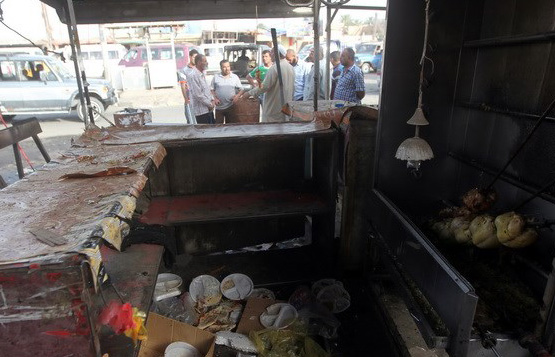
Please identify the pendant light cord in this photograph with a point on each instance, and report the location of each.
(424, 57)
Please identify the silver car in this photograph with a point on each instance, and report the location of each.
(33, 84)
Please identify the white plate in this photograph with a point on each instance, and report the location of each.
(207, 288)
(236, 286)
(181, 349)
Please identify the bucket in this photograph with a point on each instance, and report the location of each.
(245, 111)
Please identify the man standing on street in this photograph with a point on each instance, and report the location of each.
(337, 69)
(301, 71)
(203, 101)
(350, 85)
(226, 88)
(183, 83)
(257, 75)
(309, 83)
(271, 109)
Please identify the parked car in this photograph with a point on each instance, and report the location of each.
(214, 53)
(137, 56)
(33, 84)
(369, 56)
(243, 58)
(92, 58)
(305, 50)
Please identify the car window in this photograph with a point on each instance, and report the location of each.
(366, 48)
(112, 54)
(132, 54)
(8, 71)
(96, 55)
(165, 53)
(40, 71)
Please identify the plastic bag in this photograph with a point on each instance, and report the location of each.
(285, 343)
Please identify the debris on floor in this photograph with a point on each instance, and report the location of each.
(251, 322)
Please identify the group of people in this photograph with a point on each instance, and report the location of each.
(297, 76)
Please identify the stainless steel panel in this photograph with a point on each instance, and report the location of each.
(447, 291)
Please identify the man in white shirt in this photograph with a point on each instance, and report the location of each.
(309, 83)
(271, 108)
(301, 72)
(185, 90)
(203, 101)
(226, 88)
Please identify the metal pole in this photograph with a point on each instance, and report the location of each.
(103, 46)
(76, 53)
(316, 67)
(148, 57)
(278, 65)
(328, 43)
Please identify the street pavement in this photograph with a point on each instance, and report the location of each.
(166, 105)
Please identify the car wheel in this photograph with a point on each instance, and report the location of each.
(97, 106)
(366, 68)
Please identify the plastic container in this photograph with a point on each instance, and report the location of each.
(181, 349)
(236, 286)
(167, 285)
(278, 316)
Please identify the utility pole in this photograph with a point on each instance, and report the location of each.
(47, 27)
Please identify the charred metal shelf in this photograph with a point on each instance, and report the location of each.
(265, 268)
(509, 179)
(493, 109)
(215, 207)
(511, 40)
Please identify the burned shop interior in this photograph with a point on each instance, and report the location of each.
(434, 210)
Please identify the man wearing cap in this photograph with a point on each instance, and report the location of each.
(271, 108)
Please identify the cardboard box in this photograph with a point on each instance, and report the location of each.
(250, 320)
(162, 331)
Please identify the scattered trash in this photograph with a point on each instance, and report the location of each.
(167, 285)
(285, 343)
(236, 286)
(223, 317)
(236, 341)
(205, 290)
(332, 294)
(263, 293)
(278, 316)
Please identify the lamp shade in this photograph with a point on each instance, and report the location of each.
(418, 118)
(414, 149)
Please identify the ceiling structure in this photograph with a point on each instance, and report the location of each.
(110, 11)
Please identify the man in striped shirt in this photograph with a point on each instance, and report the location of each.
(350, 85)
(201, 96)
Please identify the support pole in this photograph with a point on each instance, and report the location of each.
(82, 84)
(316, 26)
(328, 44)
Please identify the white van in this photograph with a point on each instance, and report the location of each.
(214, 53)
(92, 58)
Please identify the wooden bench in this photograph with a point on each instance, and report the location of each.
(21, 130)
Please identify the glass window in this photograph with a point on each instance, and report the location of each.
(96, 55)
(165, 53)
(132, 54)
(8, 71)
(179, 53)
(112, 54)
(85, 55)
